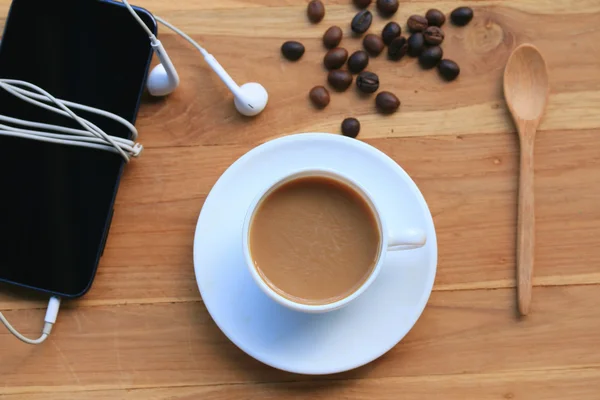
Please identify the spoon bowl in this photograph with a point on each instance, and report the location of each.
(526, 83)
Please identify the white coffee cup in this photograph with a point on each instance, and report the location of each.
(398, 238)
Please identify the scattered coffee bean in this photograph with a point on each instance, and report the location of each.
(339, 79)
(362, 3)
(416, 44)
(358, 61)
(430, 57)
(387, 102)
(417, 23)
(433, 35)
(319, 96)
(315, 11)
(335, 58)
(387, 7)
(398, 48)
(373, 44)
(461, 16)
(390, 32)
(361, 22)
(425, 31)
(435, 17)
(292, 50)
(448, 69)
(350, 127)
(367, 82)
(332, 37)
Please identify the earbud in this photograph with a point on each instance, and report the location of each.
(164, 78)
(251, 99)
(159, 83)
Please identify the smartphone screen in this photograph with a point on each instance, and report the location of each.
(56, 201)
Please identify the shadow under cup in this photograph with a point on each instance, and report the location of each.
(374, 249)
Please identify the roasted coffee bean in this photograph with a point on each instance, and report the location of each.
(350, 127)
(430, 57)
(367, 82)
(358, 61)
(387, 102)
(416, 44)
(448, 69)
(362, 3)
(390, 32)
(332, 37)
(319, 96)
(339, 79)
(398, 48)
(315, 11)
(292, 50)
(435, 17)
(433, 35)
(417, 23)
(373, 44)
(387, 7)
(461, 16)
(335, 58)
(361, 22)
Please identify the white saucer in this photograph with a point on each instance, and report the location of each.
(312, 343)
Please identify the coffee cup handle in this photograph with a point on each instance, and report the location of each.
(406, 239)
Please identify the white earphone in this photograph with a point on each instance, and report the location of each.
(250, 98)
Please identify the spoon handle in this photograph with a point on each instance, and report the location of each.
(526, 225)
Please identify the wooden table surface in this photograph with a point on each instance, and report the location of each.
(143, 331)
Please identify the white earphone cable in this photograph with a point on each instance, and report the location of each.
(6, 84)
(25, 133)
(129, 125)
(168, 25)
(138, 19)
(91, 136)
(183, 35)
(49, 320)
(57, 128)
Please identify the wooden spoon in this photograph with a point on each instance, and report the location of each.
(526, 92)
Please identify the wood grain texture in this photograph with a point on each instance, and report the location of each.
(460, 332)
(526, 385)
(142, 332)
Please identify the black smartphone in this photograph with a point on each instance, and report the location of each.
(56, 201)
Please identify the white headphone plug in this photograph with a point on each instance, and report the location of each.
(137, 150)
